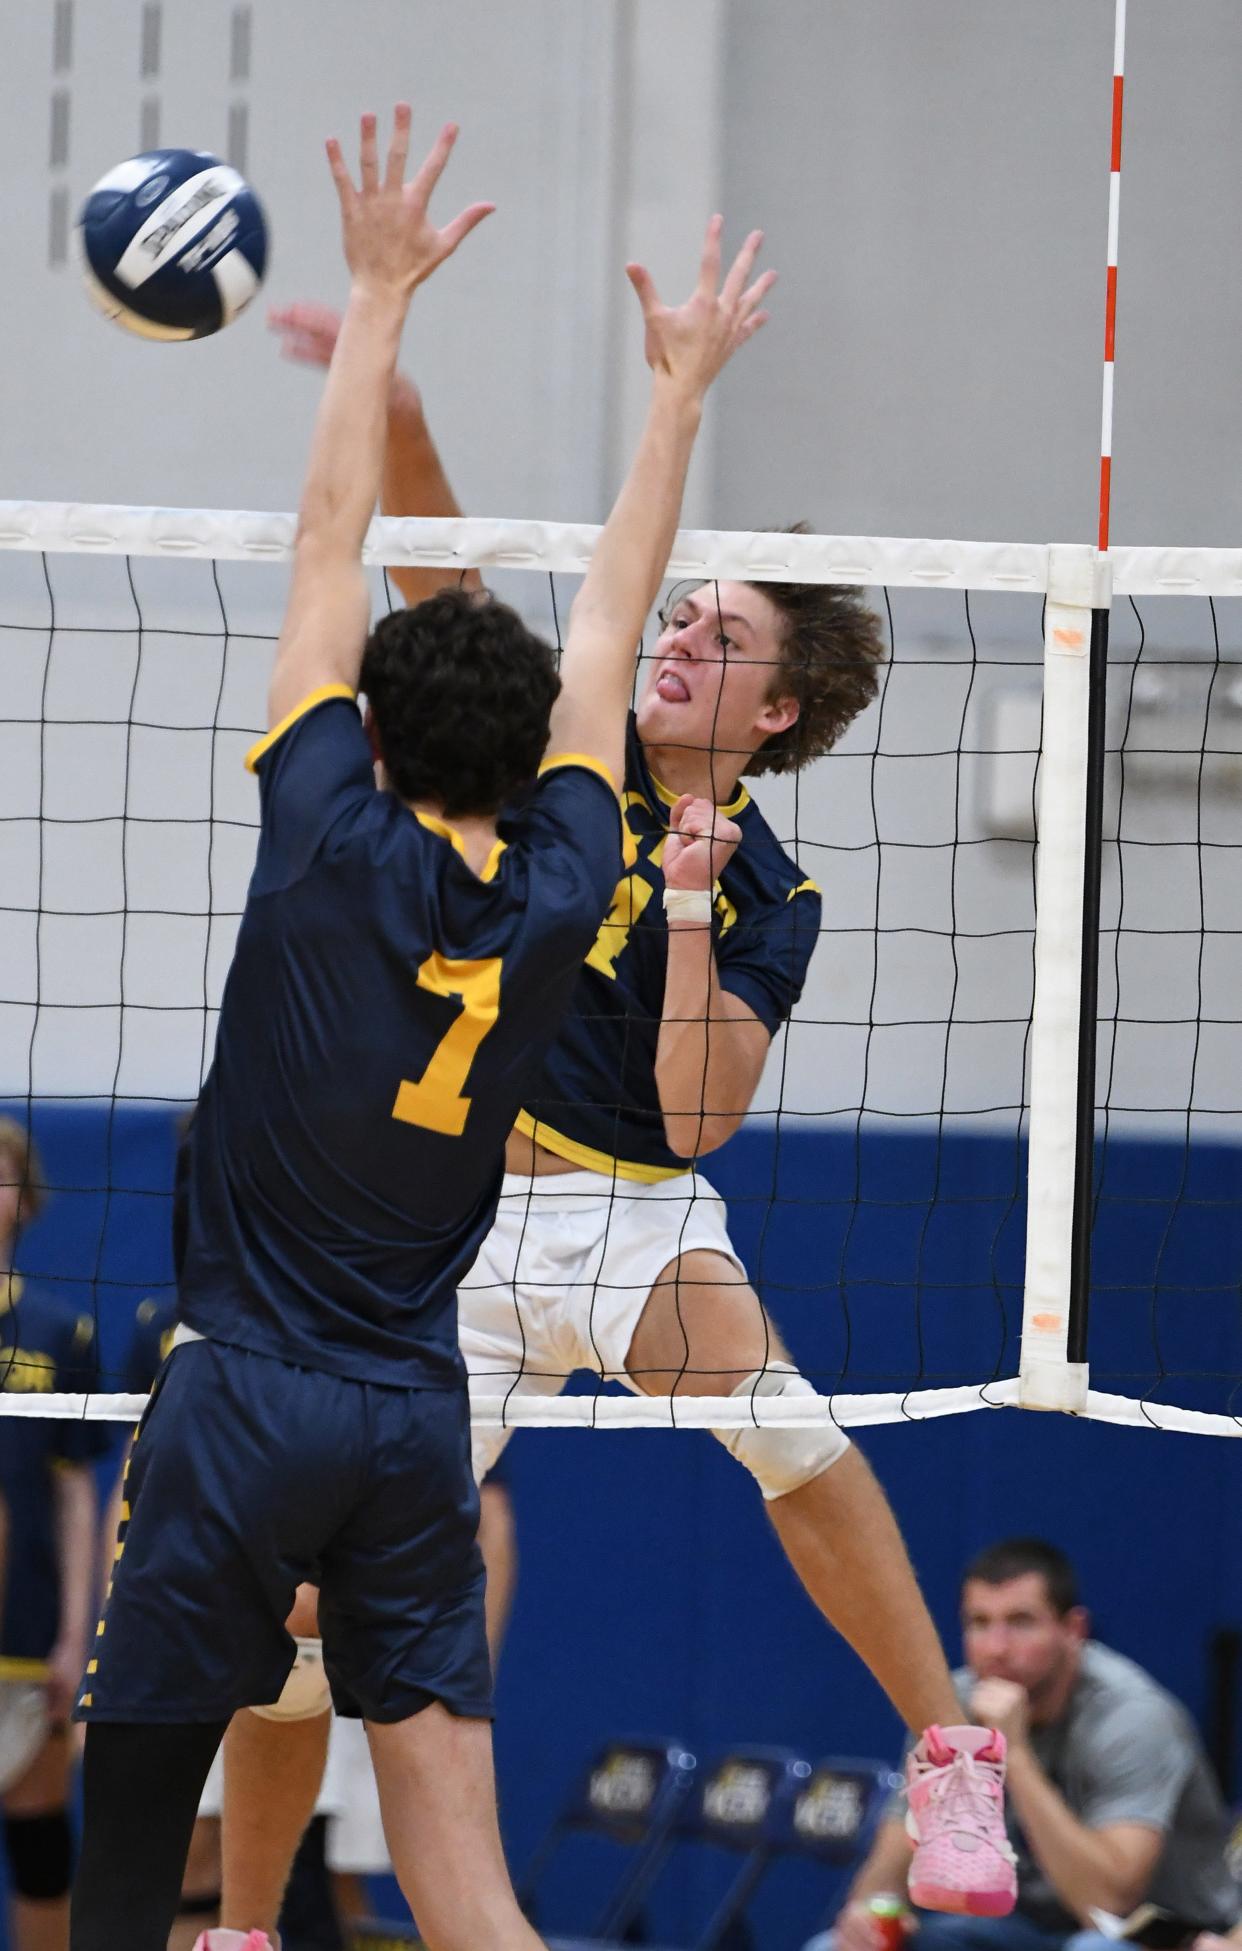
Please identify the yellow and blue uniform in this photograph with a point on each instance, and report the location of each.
(46, 1345)
(385, 1014)
(596, 1101)
(151, 1341)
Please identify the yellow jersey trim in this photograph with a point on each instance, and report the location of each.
(629, 846)
(11, 1286)
(589, 1159)
(803, 887)
(308, 703)
(13, 1669)
(434, 824)
(587, 763)
(742, 798)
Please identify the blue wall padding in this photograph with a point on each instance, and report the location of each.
(653, 1595)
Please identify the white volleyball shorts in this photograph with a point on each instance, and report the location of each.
(564, 1275)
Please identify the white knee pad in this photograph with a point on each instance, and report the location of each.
(306, 1692)
(781, 1460)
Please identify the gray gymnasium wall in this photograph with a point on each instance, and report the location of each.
(932, 178)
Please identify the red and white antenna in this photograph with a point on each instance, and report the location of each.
(1110, 301)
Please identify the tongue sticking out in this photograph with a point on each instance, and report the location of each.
(672, 688)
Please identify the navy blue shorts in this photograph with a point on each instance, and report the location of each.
(249, 1476)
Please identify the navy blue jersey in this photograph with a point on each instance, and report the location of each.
(384, 1017)
(48, 1346)
(154, 1322)
(597, 1102)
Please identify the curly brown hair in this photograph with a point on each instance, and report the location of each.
(831, 648)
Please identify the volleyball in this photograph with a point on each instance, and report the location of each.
(174, 244)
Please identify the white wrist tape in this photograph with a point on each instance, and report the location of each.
(689, 904)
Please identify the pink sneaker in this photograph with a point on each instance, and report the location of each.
(955, 1786)
(222, 1940)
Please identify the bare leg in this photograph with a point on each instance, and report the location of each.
(349, 1891)
(42, 1924)
(498, 1543)
(438, 1795)
(272, 1773)
(703, 1331)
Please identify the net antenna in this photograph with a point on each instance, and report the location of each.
(1056, 1306)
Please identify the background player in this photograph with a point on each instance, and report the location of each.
(315, 1422)
(47, 1484)
(607, 1253)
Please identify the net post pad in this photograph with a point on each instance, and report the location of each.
(1052, 1385)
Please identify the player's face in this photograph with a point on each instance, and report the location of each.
(1013, 1632)
(712, 673)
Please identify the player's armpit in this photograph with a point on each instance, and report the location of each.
(325, 628)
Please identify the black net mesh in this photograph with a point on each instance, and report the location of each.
(877, 1193)
(1166, 1320)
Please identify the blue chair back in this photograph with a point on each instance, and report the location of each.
(632, 1792)
(741, 1802)
(834, 1814)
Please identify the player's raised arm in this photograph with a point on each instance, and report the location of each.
(415, 481)
(391, 246)
(686, 347)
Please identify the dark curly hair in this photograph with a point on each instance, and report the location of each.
(832, 646)
(460, 694)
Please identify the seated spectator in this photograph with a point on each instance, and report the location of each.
(1111, 1800)
(47, 1485)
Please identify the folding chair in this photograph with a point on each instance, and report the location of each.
(835, 1813)
(632, 1793)
(742, 1803)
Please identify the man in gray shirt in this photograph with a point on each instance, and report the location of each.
(1111, 1801)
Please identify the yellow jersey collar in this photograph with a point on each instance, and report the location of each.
(735, 805)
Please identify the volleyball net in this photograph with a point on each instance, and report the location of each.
(943, 1201)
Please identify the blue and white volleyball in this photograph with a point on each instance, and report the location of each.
(175, 244)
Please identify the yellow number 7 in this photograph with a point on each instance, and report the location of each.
(438, 1101)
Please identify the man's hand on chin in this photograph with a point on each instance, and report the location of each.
(1003, 1704)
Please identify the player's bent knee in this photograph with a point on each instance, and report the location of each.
(40, 1854)
(306, 1692)
(782, 1460)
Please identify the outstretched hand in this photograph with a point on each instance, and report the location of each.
(691, 343)
(391, 244)
(307, 332)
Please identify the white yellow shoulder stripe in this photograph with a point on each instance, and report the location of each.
(308, 703)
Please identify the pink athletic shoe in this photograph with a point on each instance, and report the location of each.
(222, 1940)
(955, 1786)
